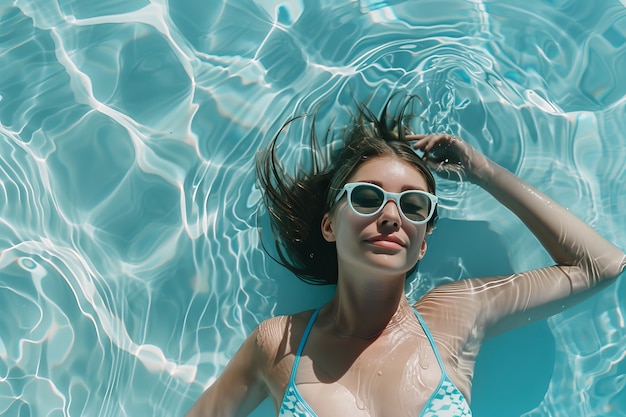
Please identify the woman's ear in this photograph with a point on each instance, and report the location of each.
(423, 249)
(327, 228)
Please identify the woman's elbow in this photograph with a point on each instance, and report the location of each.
(605, 268)
(614, 267)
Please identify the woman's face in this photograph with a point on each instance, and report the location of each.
(384, 244)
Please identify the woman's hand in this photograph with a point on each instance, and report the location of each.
(450, 156)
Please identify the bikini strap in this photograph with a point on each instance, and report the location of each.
(431, 340)
(305, 335)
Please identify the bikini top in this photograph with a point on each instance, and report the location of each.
(445, 401)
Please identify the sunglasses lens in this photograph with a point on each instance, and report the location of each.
(366, 199)
(415, 206)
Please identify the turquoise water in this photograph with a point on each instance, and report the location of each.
(131, 267)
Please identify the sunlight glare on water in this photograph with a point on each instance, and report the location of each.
(131, 264)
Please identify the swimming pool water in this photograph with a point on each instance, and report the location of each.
(131, 266)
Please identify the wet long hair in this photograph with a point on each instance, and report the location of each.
(297, 203)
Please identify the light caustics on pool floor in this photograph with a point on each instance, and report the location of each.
(130, 260)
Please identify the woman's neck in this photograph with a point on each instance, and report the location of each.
(365, 308)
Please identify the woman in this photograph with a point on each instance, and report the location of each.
(362, 224)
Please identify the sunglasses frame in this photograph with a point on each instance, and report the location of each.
(349, 187)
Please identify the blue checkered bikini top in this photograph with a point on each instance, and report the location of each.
(445, 401)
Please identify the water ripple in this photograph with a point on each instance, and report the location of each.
(131, 259)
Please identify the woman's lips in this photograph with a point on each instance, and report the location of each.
(388, 241)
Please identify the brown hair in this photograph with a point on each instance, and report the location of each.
(297, 204)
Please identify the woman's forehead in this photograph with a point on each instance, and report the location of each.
(389, 171)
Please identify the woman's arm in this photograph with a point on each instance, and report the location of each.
(583, 257)
(240, 388)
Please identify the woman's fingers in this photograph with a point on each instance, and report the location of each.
(424, 142)
(447, 154)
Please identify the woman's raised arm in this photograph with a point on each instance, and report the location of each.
(583, 257)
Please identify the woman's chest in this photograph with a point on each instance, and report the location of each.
(383, 379)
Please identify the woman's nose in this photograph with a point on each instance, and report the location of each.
(390, 215)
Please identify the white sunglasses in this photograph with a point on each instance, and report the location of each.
(367, 200)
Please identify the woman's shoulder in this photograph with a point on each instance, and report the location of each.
(277, 332)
